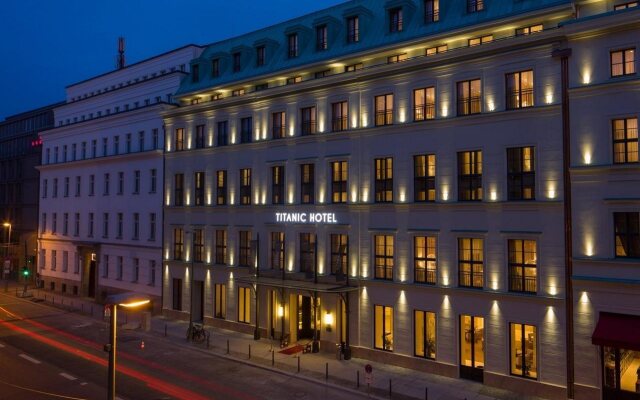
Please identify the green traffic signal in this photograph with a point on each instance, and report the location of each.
(25, 272)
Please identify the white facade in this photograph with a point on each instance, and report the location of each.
(101, 180)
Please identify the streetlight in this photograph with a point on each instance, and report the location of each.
(130, 301)
(6, 249)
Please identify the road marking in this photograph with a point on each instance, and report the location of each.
(69, 377)
(1, 346)
(83, 383)
(26, 357)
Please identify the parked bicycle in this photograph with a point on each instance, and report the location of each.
(197, 333)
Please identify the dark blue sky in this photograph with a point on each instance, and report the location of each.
(47, 45)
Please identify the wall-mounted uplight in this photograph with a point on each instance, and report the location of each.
(328, 321)
(280, 311)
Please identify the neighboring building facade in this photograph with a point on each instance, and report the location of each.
(20, 150)
(101, 180)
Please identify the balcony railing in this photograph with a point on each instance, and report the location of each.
(308, 127)
(520, 99)
(339, 124)
(426, 276)
(469, 105)
(384, 272)
(424, 111)
(471, 279)
(384, 117)
(519, 283)
(278, 131)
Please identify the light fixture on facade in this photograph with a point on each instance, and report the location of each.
(328, 321)
(587, 157)
(280, 311)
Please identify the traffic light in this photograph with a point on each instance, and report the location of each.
(25, 272)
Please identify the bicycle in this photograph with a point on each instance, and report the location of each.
(197, 333)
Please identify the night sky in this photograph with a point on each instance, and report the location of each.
(47, 45)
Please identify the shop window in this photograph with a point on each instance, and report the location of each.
(524, 351)
(244, 305)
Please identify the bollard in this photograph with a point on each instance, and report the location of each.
(358, 379)
(326, 372)
(165, 330)
(426, 393)
(227, 346)
(249, 352)
(298, 363)
(273, 358)
(390, 393)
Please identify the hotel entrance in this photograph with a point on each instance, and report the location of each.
(472, 348)
(308, 318)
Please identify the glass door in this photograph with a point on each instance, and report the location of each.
(472, 347)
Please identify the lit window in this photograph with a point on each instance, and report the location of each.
(244, 305)
(524, 351)
(521, 173)
(424, 178)
(383, 180)
(383, 255)
(522, 266)
(627, 234)
(624, 6)
(353, 67)
(246, 130)
(198, 245)
(383, 330)
(278, 125)
(397, 58)
(179, 139)
(221, 247)
(244, 248)
(475, 5)
(519, 90)
(339, 174)
(480, 40)
(472, 346)
(470, 175)
(625, 140)
(339, 116)
(528, 30)
(436, 50)
(471, 263)
(431, 11)
(353, 29)
(623, 62)
(277, 184)
(469, 97)
(220, 294)
(424, 334)
(221, 187)
(199, 179)
(424, 104)
(245, 186)
(294, 79)
(308, 125)
(384, 109)
(178, 243)
(307, 183)
(424, 259)
(395, 20)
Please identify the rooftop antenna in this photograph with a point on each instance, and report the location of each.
(120, 59)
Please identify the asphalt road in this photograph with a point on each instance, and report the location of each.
(47, 353)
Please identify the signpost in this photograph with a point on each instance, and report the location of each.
(368, 376)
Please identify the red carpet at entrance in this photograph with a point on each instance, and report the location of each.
(292, 350)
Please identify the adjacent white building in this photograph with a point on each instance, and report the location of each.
(101, 180)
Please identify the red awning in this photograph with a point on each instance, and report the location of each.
(617, 330)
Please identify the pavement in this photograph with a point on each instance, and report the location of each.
(319, 368)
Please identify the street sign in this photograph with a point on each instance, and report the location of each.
(107, 311)
(368, 378)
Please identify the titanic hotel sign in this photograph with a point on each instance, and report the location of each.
(306, 218)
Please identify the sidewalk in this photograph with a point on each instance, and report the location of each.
(402, 383)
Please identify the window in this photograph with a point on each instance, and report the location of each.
(625, 141)
(472, 346)
(384, 109)
(424, 178)
(353, 29)
(45, 185)
(480, 40)
(277, 250)
(116, 145)
(198, 245)
(136, 182)
(471, 263)
(128, 143)
(397, 58)
(339, 116)
(519, 90)
(178, 243)
(73, 151)
(246, 130)
(384, 180)
(221, 187)
(178, 190)
(353, 67)
(156, 138)
(136, 270)
(244, 305)
(431, 11)
(76, 225)
(469, 97)
(153, 177)
(152, 226)
(292, 40)
(307, 183)
(624, 6)
(105, 266)
(339, 254)
(529, 30)
(278, 125)
(152, 272)
(339, 175)
(321, 74)
(199, 136)
(321, 38)
(104, 146)
(308, 120)
(475, 5)
(383, 257)
(177, 294)
(245, 186)
(223, 133)
(260, 56)
(623, 62)
(307, 252)
(424, 323)
(179, 139)
(424, 259)
(92, 184)
(627, 234)
(66, 186)
(383, 328)
(220, 301)
(522, 266)
(84, 150)
(521, 173)
(195, 73)
(54, 260)
(294, 79)
(395, 20)
(65, 224)
(470, 175)
(106, 184)
(119, 226)
(430, 51)
(136, 226)
(221, 247)
(141, 141)
(199, 179)
(424, 104)
(277, 184)
(244, 249)
(120, 183)
(105, 225)
(44, 223)
(90, 227)
(523, 351)
(78, 185)
(237, 62)
(215, 68)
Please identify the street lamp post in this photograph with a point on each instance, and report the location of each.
(127, 300)
(6, 249)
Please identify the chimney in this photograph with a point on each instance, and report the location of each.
(120, 60)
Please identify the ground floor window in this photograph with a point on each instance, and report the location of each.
(424, 334)
(177, 294)
(472, 356)
(383, 331)
(523, 351)
(621, 372)
(220, 300)
(244, 305)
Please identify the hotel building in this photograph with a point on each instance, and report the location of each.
(394, 175)
(101, 180)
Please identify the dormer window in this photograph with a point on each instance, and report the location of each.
(397, 58)
(260, 56)
(475, 5)
(395, 20)
(294, 80)
(321, 38)
(431, 51)
(353, 29)
(431, 11)
(293, 45)
(236, 62)
(215, 68)
(195, 73)
(529, 30)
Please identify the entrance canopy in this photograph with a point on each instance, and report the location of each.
(617, 330)
(301, 285)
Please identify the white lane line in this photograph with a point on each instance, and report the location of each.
(1, 346)
(69, 377)
(26, 357)
(83, 383)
